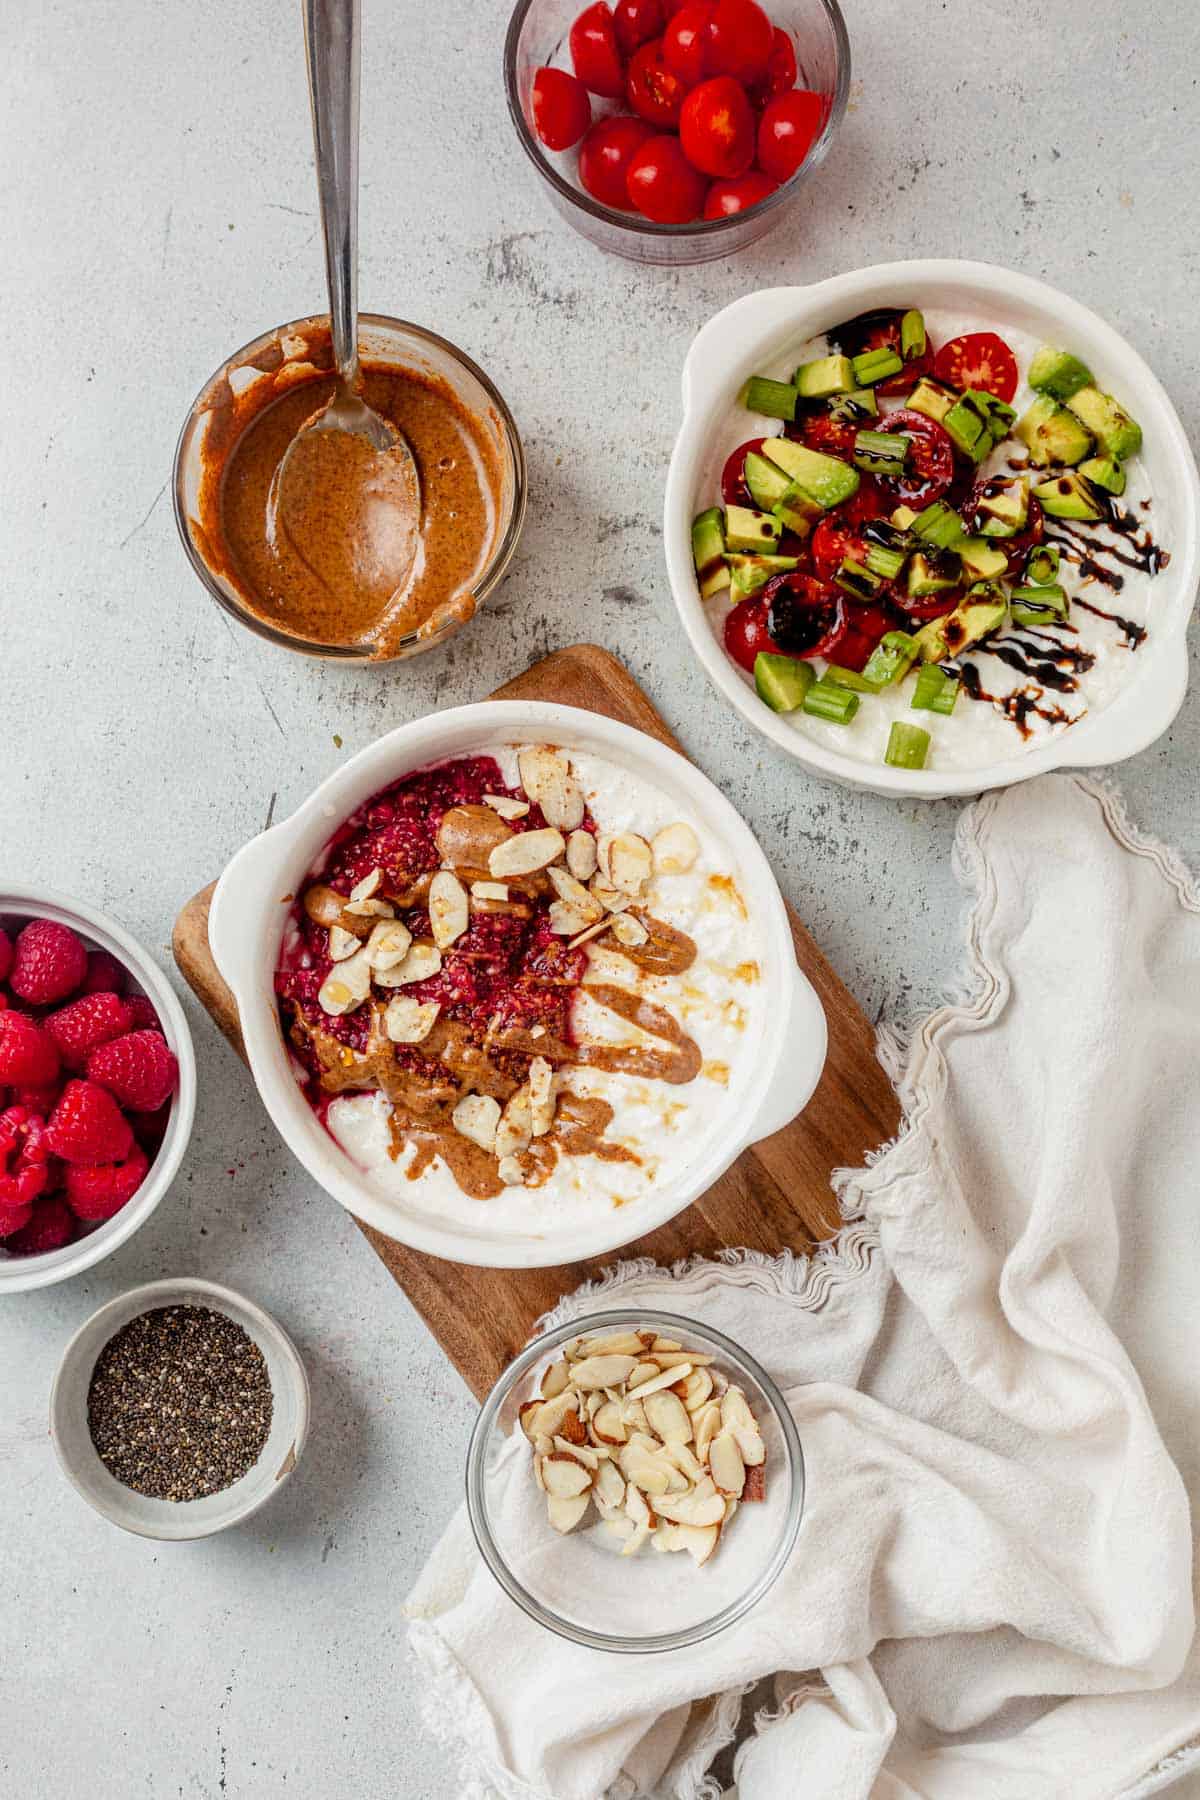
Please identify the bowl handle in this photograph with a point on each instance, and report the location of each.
(801, 1060)
(1145, 713)
(237, 900)
(705, 368)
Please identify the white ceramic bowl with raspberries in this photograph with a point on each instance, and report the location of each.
(97, 1087)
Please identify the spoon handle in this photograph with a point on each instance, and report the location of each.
(331, 38)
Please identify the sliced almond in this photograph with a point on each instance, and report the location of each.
(629, 931)
(697, 1389)
(610, 898)
(565, 921)
(346, 986)
(449, 909)
(558, 1375)
(669, 1537)
(662, 1343)
(515, 1129)
(633, 1417)
(592, 931)
(370, 909)
(526, 1413)
(563, 1476)
(652, 1478)
(668, 1417)
(368, 887)
(635, 1506)
(409, 1021)
(581, 1452)
(725, 1462)
(547, 779)
(505, 806)
(645, 1371)
(572, 1427)
(620, 1528)
(702, 1505)
(699, 1541)
(476, 1117)
(341, 944)
(609, 1485)
(565, 1514)
(601, 1371)
(541, 1096)
(706, 1425)
(749, 1442)
(626, 862)
(388, 945)
(607, 1423)
(525, 853)
(735, 1409)
(489, 890)
(675, 848)
(550, 1415)
(581, 855)
(510, 1171)
(575, 894)
(422, 960)
(684, 1461)
(613, 1343)
(664, 1378)
(641, 1535)
(672, 1359)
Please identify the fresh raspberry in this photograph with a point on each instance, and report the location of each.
(24, 1158)
(6, 954)
(143, 1014)
(99, 1191)
(52, 1226)
(87, 1125)
(39, 1097)
(48, 964)
(13, 1219)
(79, 1026)
(105, 975)
(27, 1053)
(138, 1068)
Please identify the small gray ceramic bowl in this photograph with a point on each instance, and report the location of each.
(168, 1518)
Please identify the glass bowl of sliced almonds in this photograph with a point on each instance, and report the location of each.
(635, 1481)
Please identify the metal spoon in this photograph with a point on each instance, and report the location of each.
(331, 39)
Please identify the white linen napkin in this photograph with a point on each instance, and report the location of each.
(976, 1365)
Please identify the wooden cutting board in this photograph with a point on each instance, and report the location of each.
(775, 1196)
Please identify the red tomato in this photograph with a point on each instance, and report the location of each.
(728, 197)
(655, 92)
(801, 612)
(636, 22)
(786, 131)
(716, 128)
(832, 542)
(781, 66)
(605, 155)
(858, 631)
(595, 53)
(822, 432)
(934, 606)
(685, 41)
(867, 502)
(734, 491)
(562, 111)
(881, 331)
(746, 633)
(979, 359)
(741, 38)
(930, 467)
(662, 183)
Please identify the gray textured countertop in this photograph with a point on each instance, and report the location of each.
(157, 209)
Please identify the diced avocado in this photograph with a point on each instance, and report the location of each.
(967, 426)
(1058, 373)
(746, 529)
(905, 517)
(708, 551)
(1005, 504)
(981, 561)
(827, 375)
(983, 610)
(773, 399)
(766, 481)
(927, 576)
(875, 365)
(859, 403)
(999, 414)
(858, 581)
(1104, 473)
(932, 399)
(1039, 605)
(891, 659)
(939, 525)
(750, 573)
(796, 511)
(1052, 434)
(912, 335)
(1117, 434)
(1069, 496)
(782, 681)
(822, 478)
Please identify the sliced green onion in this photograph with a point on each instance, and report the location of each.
(1038, 605)
(875, 365)
(939, 525)
(774, 399)
(907, 746)
(850, 678)
(885, 562)
(892, 658)
(882, 452)
(912, 335)
(1041, 565)
(935, 690)
(825, 700)
(857, 580)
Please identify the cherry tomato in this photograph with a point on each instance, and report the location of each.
(662, 183)
(734, 491)
(605, 155)
(820, 431)
(728, 197)
(595, 53)
(716, 128)
(746, 632)
(855, 633)
(801, 612)
(741, 38)
(930, 467)
(934, 607)
(1015, 548)
(685, 41)
(781, 66)
(832, 542)
(979, 359)
(655, 92)
(786, 131)
(867, 502)
(636, 22)
(880, 330)
(562, 111)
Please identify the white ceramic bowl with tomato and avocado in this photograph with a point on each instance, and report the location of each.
(933, 527)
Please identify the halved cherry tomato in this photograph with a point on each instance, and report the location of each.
(781, 66)
(832, 542)
(1015, 548)
(636, 22)
(734, 491)
(786, 131)
(663, 185)
(930, 467)
(655, 92)
(801, 612)
(562, 111)
(685, 41)
(867, 502)
(934, 606)
(716, 128)
(880, 330)
(595, 53)
(978, 359)
(746, 632)
(728, 197)
(605, 155)
(820, 431)
(741, 38)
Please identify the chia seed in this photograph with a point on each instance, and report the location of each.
(180, 1403)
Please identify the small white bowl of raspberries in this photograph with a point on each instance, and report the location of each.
(97, 1087)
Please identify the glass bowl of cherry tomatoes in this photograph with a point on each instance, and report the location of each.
(676, 131)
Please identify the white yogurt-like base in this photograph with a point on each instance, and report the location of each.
(719, 1002)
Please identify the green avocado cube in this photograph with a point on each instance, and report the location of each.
(750, 573)
(927, 576)
(891, 659)
(1069, 496)
(766, 481)
(932, 399)
(825, 479)
(1058, 373)
(827, 375)
(782, 681)
(981, 561)
(1104, 473)
(1052, 434)
(1117, 434)
(746, 529)
(1005, 505)
(708, 552)
(967, 426)
(982, 611)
